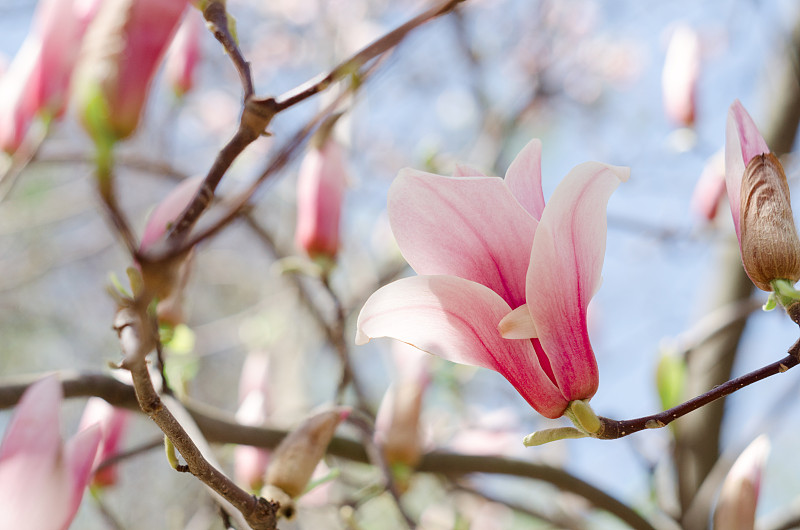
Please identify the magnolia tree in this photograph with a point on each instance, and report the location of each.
(200, 246)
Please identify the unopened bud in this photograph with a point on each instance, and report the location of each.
(770, 246)
(736, 508)
(397, 424)
(297, 456)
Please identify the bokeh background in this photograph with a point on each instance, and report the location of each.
(584, 76)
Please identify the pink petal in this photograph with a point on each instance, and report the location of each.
(742, 143)
(80, 453)
(466, 171)
(35, 427)
(169, 209)
(457, 319)
(518, 324)
(473, 228)
(524, 178)
(566, 262)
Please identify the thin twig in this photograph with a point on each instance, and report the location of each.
(613, 429)
(217, 18)
(137, 334)
(219, 427)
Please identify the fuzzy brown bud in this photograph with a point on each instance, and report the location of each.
(295, 459)
(770, 246)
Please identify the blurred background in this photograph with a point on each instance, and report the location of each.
(473, 87)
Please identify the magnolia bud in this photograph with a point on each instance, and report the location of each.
(295, 459)
(397, 424)
(120, 56)
(770, 246)
(736, 508)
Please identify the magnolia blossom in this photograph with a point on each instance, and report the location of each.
(320, 187)
(184, 53)
(489, 250)
(738, 499)
(38, 80)
(120, 55)
(680, 75)
(397, 424)
(759, 197)
(113, 421)
(250, 463)
(710, 188)
(168, 283)
(42, 480)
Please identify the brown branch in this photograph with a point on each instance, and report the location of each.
(613, 429)
(217, 18)
(137, 333)
(352, 65)
(218, 428)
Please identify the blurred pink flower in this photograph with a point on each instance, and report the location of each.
(760, 205)
(397, 425)
(738, 498)
(485, 246)
(121, 53)
(320, 188)
(184, 53)
(113, 421)
(38, 80)
(42, 480)
(250, 463)
(168, 210)
(680, 75)
(710, 188)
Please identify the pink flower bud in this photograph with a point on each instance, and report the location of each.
(37, 83)
(680, 75)
(250, 463)
(184, 54)
(320, 187)
(710, 188)
(759, 197)
(42, 480)
(121, 52)
(164, 280)
(295, 459)
(736, 507)
(113, 421)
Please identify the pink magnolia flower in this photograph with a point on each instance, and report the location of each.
(760, 205)
(738, 499)
(485, 246)
(680, 75)
(184, 53)
(42, 480)
(710, 188)
(123, 48)
(38, 79)
(397, 425)
(113, 421)
(250, 463)
(168, 283)
(320, 188)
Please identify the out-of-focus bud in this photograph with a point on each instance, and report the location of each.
(250, 463)
(113, 422)
(320, 188)
(294, 460)
(397, 426)
(42, 479)
(184, 54)
(119, 58)
(680, 75)
(760, 204)
(37, 82)
(162, 280)
(710, 188)
(736, 507)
